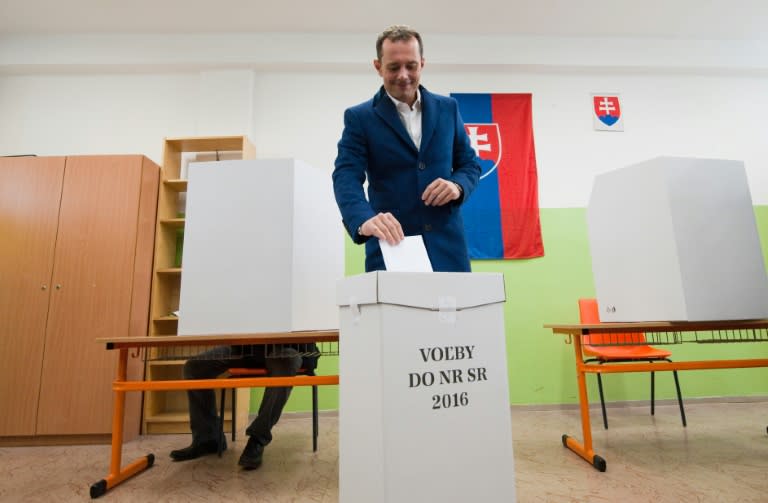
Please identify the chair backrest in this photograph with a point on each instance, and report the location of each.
(589, 314)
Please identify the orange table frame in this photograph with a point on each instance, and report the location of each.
(121, 385)
(656, 333)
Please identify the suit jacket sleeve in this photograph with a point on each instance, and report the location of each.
(349, 175)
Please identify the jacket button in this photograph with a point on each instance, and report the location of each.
(427, 227)
(422, 165)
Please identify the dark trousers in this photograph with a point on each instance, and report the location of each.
(203, 416)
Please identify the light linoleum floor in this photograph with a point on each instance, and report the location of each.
(722, 456)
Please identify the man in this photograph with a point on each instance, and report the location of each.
(280, 361)
(412, 147)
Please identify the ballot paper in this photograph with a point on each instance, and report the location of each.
(409, 255)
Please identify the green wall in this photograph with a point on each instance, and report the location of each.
(545, 290)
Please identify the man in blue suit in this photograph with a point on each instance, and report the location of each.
(420, 165)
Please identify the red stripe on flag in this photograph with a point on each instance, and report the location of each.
(518, 180)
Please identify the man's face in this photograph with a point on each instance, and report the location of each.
(400, 67)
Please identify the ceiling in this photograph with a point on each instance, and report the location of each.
(675, 19)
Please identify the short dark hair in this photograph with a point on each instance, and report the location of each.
(396, 33)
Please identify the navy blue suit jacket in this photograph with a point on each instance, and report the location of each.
(376, 145)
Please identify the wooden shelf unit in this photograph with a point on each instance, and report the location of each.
(175, 223)
(166, 411)
(176, 185)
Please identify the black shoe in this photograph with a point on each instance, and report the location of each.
(250, 459)
(197, 450)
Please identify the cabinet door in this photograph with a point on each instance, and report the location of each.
(91, 297)
(30, 192)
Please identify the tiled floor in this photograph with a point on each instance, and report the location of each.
(722, 456)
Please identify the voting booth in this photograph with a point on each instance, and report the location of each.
(675, 239)
(262, 248)
(424, 401)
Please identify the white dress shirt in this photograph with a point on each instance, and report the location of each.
(410, 117)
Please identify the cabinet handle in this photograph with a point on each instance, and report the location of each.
(44, 287)
(58, 287)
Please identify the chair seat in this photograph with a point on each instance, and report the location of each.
(246, 372)
(256, 372)
(642, 352)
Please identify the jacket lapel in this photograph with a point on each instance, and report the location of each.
(385, 109)
(429, 116)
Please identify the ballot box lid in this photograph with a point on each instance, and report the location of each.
(425, 290)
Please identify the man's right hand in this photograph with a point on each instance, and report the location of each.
(383, 226)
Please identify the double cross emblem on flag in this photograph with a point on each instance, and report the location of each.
(486, 141)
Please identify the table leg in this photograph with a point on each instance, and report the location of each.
(116, 475)
(584, 450)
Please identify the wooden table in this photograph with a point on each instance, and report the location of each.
(190, 344)
(656, 333)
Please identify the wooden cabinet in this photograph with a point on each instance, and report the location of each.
(30, 192)
(167, 411)
(75, 264)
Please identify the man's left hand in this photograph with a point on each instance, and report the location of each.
(440, 192)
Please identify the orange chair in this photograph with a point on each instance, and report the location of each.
(633, 349)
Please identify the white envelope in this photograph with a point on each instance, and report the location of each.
(409, 255)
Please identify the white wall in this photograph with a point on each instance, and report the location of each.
(692, 102)
(664, 114)
(94, 114)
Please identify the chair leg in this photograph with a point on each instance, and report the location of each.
(653, 393)
(679, 399)
(602, 400)
(220, 439)
(234, 414)
(315, 419)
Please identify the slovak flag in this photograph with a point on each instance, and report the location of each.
(501, 218)
(606, 114)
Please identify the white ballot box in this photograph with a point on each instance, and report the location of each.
(675, 239)
(263, 248)
(424, 397)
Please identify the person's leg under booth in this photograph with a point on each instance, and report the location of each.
(282, 362)
(203, 415)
